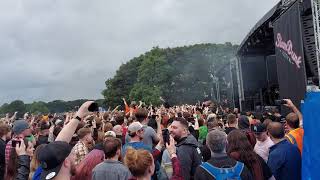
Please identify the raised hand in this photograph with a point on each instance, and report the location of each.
(83, 110)
(21, 149)
(171, 147)
(289, 103)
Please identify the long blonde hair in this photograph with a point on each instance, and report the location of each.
(34, 164)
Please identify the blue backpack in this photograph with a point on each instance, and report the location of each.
(224, 173)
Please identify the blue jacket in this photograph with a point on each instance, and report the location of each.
(37, 173)
(285, 161)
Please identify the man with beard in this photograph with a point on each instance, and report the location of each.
(111, 168)
(188, 151)
(56, 158)
(81, 149)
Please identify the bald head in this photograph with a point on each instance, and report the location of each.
(117, 129)
(276, 130)
(292, 120)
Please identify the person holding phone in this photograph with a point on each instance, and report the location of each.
(19, 162)
(5, 134)
(21, 131)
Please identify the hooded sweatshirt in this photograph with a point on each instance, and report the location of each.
(189, 154)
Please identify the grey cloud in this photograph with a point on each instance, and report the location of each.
(57, 49)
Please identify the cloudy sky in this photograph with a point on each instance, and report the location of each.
(66, 49)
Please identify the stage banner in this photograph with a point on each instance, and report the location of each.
(289, 55)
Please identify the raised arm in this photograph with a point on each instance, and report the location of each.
(125, 102)
(115, 109)
(196, 123)
(13, 117)
(294, 109)
(69, 129)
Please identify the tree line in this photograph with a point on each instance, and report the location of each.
(40, 107)
(177, 75)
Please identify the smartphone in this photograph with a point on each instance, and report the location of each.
(94, 107)
(166, 136)
(15, 142)
(280, 102)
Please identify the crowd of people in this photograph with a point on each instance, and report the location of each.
(203, 141)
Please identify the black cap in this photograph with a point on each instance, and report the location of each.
(51, 157)
(44, 126)
(243, 122)
(258, 128)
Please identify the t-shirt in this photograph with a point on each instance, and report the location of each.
(135, 145)
(149, 136)
(203, 131)
(262, 148)
(128, 108)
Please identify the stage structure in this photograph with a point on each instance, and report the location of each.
(224, 84)
(279, 57)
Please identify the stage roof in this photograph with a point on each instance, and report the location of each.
(260, 36)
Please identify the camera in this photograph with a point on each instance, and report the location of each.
(94, 107)
(280, 102)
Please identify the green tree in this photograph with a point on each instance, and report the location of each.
(14, 106)
(39, 107)
(147, 94)
(121, 84)
(180, 75)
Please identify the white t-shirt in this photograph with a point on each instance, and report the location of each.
(262, 148)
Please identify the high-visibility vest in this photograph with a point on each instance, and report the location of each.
(296, 137)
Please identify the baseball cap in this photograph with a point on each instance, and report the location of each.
(51, 157)
(258, 128)
(58, 121)
(134, 127)
(243, 122)
(110, 134)
(19, 126)
(44, 125)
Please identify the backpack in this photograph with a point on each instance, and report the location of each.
(224, 173)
